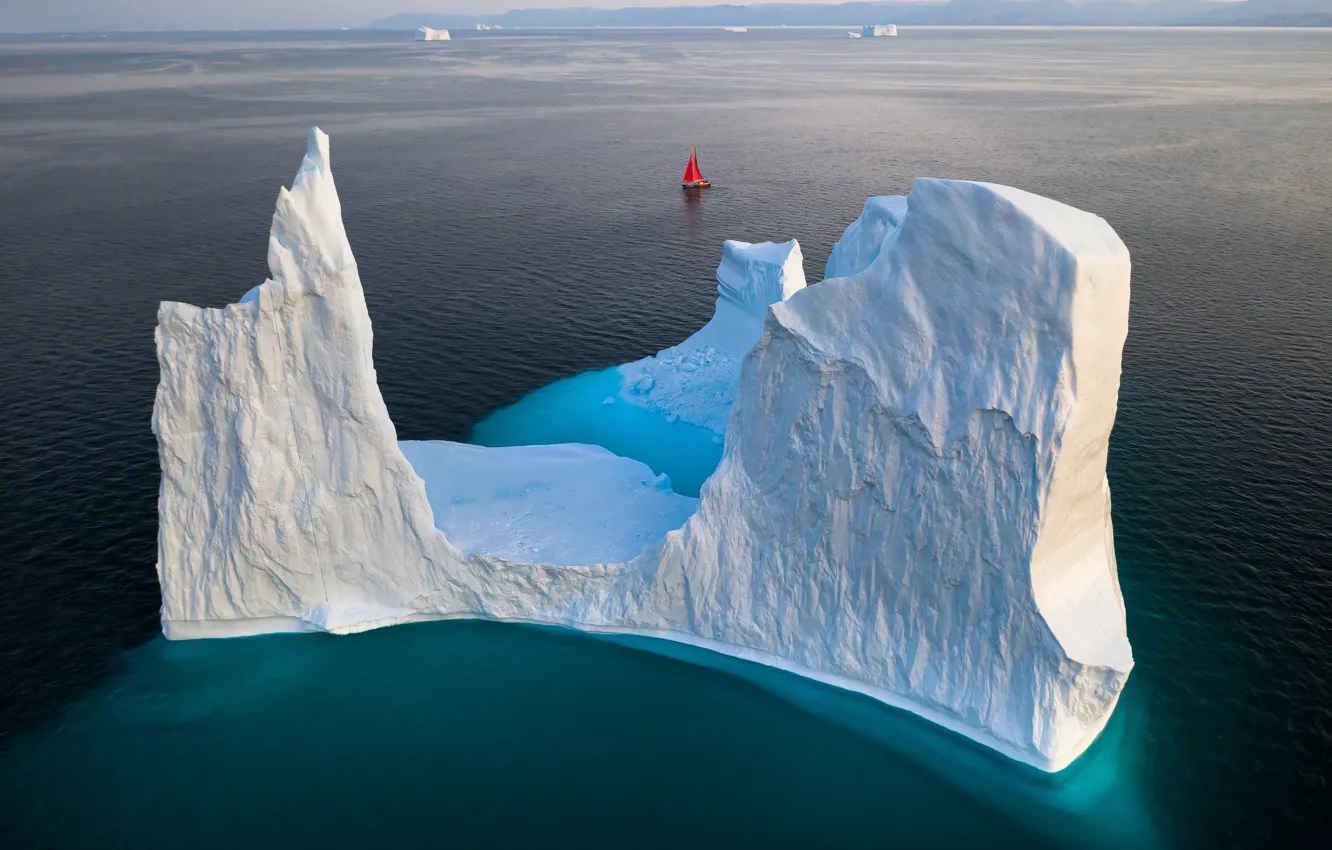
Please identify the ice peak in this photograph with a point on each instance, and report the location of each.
(307, 226)
(316, 151)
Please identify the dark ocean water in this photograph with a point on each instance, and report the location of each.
(513, 205)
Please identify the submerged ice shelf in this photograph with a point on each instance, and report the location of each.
(910, 502)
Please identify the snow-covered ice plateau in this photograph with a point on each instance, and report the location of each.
(911, 502)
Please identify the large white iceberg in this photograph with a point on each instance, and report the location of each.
(911, 504)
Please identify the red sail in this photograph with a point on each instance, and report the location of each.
(691, 174)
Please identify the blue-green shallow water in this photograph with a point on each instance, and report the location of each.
(575, 410)
(481, 734)
(138, 169)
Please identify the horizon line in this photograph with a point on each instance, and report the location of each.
(1181, 26)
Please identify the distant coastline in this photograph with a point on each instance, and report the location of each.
(121, 35)
(984, 13)
(1266, 14)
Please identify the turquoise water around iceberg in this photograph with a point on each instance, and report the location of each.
(392, 737)
(587, 409)
(482, 734)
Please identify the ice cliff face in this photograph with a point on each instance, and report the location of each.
(284, 494)
(912, 501)
(933, 430)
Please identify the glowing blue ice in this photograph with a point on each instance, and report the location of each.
(587, 408)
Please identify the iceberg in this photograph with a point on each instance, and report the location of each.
(427, 34)
(878, 30)
(911, 502)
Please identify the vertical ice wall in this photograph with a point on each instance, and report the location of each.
(283, 490)
(913, 493)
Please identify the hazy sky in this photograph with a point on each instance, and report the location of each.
(83, 15)
(59, 15)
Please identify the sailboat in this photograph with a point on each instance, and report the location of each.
(693, 178)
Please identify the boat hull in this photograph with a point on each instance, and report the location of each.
(695, 184)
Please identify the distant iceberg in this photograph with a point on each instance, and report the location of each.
(851, 35)
(911, 502)
(878, 30)
(427, 34)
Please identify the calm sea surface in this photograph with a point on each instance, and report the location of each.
(514, 207)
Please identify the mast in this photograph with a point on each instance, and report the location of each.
(692, 174)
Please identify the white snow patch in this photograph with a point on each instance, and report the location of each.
(564, 505)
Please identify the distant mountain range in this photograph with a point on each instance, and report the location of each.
(1295, 13)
